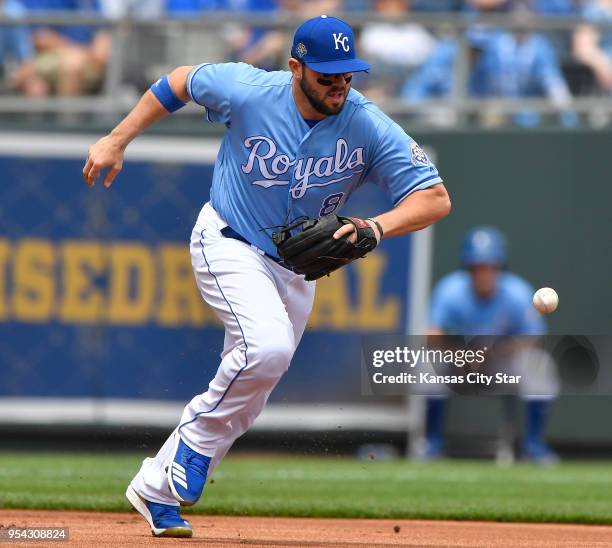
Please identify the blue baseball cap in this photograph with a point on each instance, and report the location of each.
(327, 45)
(484, 245)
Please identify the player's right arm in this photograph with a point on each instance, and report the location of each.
(107, 153)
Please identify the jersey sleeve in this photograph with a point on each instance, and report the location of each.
(400, 166)
(212, 86)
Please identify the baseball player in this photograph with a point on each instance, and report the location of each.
(485, 299)
(297, 144)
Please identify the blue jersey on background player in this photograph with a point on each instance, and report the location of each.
(483, 298)
(456, 308)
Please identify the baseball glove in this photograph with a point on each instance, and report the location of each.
(314, 252)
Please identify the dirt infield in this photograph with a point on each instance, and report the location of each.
(111, 530)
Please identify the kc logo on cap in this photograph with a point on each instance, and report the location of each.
(327, 45)
(341, 41)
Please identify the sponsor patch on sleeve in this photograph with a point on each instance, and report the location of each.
(419, 158)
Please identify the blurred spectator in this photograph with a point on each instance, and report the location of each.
(393, 49)
(269, 49)
(132, 9)
(70, 58)
(257, 46)
(434, 79)
(502, 64)
(519, 65)
(540, 7)
(260, 47)
(17, 53)
(560, 39)
(475, 8)
(592, 46)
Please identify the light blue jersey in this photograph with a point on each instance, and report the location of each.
(456, 309)
(272, 167)
(16, 41)
(506, 67)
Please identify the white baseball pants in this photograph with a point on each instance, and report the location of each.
(264, 308)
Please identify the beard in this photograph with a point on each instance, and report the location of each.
(319, 104)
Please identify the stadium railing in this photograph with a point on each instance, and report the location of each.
(142, 50)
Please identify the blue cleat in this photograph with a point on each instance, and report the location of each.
(434, 449)
(538, 452)
(164, 519)
(187, 473)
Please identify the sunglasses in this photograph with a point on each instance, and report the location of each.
(323, 81)
(327, 82)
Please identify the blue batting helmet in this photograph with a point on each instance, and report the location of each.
(484, 245)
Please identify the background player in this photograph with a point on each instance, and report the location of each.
(298, 143)
(485, 299)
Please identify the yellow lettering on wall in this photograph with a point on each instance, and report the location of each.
(374, 313)
(158, 285)
(132, 284)
(82, 302)
(332, 305)
(181, 303)
(4, 254)
(34, 291)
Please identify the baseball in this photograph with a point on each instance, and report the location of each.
(546, 300)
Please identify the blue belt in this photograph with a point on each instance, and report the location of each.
(229, 232)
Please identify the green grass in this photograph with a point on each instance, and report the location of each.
(329, 487)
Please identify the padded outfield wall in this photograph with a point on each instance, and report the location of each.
(97, 300)
(100, 318)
